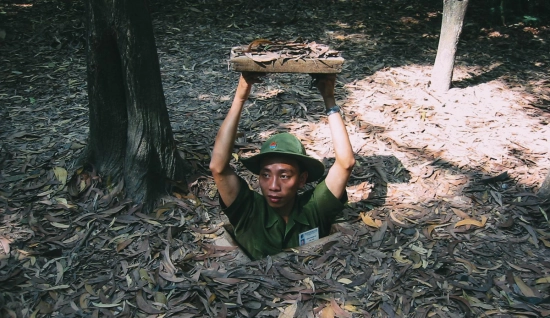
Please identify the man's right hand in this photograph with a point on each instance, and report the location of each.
(226, 179)
(253, 77)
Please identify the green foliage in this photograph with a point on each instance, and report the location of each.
(529, 20)
(505, 12)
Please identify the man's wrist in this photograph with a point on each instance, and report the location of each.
(242, 93)
(333, 110)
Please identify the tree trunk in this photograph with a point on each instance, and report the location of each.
(544, 190)
(451, 26)
(130, 138)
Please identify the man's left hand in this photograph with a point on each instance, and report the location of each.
(325, 84)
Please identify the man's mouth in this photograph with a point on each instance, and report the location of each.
(274, 199)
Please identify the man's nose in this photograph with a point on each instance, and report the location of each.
(274, 184)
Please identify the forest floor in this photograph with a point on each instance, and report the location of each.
(444, 217)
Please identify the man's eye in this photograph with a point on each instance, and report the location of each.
(265, 175)
(284, 176)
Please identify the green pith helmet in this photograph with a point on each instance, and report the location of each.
(286, 144)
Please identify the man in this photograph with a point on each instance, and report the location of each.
(264, 225)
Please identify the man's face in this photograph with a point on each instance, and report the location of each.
(280, 179)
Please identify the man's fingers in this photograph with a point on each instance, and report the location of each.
(253, 77)
(322, 81)
(325, 84)
(323, 76)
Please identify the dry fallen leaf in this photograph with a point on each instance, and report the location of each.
(289, 311)
(397, 256)
(345, 281)
(327, 312)
(161, 298)
(339, 312)
(59, 225)
(543, 280)
(460, 214)
(60, 174)
(469, 265)
(145, 305)
(5, 244)
(122, 245)
(83, 300)
(395, 219)
(472, 222)
(101, 305)
(369, 220)
(545, 242)
(60, 272)
(526, 290)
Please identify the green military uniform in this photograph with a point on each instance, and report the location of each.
(261, 231)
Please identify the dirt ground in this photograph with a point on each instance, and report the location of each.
(444, 217)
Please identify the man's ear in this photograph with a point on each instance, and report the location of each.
(302, 179)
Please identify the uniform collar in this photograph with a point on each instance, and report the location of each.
(272, 216)
(300, 217)
(295, 216)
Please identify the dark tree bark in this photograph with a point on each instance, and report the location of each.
(544, 190)
(130, 138)
(451, 27)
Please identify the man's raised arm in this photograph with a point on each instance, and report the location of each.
(339, 173)
(225, 178)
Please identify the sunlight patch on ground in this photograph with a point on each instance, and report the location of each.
(204, 97)
(266, 94)
(22, 5)
(487, 128)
